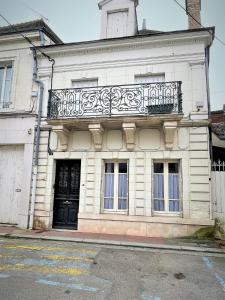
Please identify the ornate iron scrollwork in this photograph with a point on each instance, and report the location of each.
(121, 100)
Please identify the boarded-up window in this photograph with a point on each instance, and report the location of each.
(117, 24)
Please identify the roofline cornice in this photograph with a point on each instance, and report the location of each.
(17, 37)
(132, 42)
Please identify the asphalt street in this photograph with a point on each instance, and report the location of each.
(31, 270)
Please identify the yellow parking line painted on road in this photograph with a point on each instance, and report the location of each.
(39, 248)
(46, 270)
(51, 257)
(69, 258)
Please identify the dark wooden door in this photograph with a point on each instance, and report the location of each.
(67, 190)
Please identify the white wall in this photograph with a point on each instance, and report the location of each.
(181, 61)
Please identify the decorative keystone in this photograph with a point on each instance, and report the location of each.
(97, 134)
(62, 134)
(129, 130)
(169, 129)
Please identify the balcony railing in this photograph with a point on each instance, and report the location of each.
(121, 100)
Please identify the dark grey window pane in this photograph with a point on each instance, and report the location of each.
(109, 168)
(173, 168)
(158, 167)
(123, 168)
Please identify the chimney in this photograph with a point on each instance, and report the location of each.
(193, 8)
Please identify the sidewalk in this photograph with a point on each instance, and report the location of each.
(116, 240)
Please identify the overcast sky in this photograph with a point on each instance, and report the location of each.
(79, 20)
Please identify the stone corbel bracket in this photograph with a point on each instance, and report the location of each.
(97, 134)
(62, 134)
(169, 129)
(129, 130)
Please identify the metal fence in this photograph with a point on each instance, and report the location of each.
(218, 189)
(120, 100)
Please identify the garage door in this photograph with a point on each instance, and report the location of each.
(11, 176)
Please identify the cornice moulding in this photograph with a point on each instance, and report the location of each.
(126, 43)
(44, 71)
(18, 37)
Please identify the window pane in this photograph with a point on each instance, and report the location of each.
(158, 167)
(122, 167)
(174, 193)
(173, 168)
(122, 191)
(1, 80)
(109, 191)
(7, 92)
(9, 73)
(109, 168)
(7, 88)
(158, 192)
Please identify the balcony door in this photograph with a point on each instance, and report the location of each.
(67, 190)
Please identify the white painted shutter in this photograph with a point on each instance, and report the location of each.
(117, 24)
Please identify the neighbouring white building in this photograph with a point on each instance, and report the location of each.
(18, 107)
(128, 115)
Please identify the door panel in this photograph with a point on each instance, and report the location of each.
(11, 170)
(67, 190)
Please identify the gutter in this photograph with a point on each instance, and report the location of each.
(209, 117)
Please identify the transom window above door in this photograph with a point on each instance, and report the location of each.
(166, 187)
(115, 188)
(5, 85)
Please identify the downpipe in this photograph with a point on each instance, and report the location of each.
(37, 143)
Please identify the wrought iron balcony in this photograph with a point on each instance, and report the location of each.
(121, 100)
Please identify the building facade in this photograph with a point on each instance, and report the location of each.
(18, 110)
(128, 149)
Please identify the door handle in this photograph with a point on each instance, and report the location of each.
(67, 202)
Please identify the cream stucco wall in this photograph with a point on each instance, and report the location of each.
(116, 62)
(149, 146)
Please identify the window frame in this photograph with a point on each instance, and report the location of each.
(4, 105)
(141, 76)
(166, 188)
(116, 185)
(88, 80)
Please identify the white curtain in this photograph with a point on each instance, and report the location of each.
(158, 193)
(122, 191)
(174, 203)
(109, 191)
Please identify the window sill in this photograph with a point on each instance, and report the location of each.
(115, 212)
(166, 214)
(6, 109)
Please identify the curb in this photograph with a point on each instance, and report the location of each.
(116, 243)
